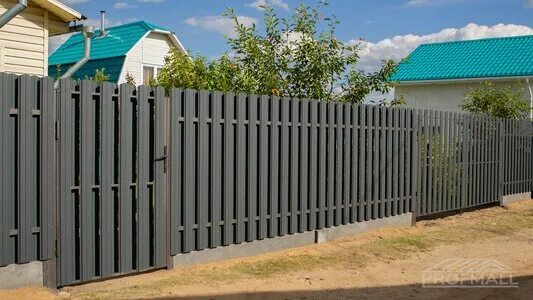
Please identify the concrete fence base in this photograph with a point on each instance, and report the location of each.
(15, 276)
(516, 198)
(287, 242)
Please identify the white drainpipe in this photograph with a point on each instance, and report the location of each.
(13, 12)
(88, 33)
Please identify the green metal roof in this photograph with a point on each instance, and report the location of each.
(112, 67)
(116, 44)
(484, 58)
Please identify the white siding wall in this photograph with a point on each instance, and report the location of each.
(151, 51)
(445, 96)
(22, 41)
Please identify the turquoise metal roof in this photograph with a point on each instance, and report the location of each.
(494, 57)
(116, 44)
(113, 68)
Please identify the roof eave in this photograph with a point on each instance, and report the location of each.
(66, 13)
(460, 80)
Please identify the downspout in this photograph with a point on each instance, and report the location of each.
(531, 97)
(13, 12)
(88, 33)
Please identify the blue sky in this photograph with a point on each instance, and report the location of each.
(392, 28)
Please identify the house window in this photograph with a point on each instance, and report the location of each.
(150, 73)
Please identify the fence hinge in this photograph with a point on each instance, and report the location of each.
(55, 249)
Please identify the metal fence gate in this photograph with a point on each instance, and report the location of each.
(112, 209)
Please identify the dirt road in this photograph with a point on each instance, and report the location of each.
(382, 264)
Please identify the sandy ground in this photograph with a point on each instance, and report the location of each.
(383, 264)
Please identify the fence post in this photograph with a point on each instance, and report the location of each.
(501, 162)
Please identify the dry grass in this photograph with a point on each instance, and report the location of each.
(356, 252)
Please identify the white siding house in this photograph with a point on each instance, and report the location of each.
(145, 60)
(437, 76)
(24, 39)
(136, 49)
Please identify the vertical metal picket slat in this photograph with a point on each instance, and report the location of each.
(264, 163)
(401, 162)
(304, 166)
(143, 178)
(354, 165)
(339, 124)
(369, 111)
(382, 161)
(229, 166)
(362, 162)
(189, 171)
(252, 168)
(48, 166)
(160, 167)
(284, 167)
(176, 170)
(240, 161)
(107, 178)
(126, 191)
(293, 169)
(27, 176)
(7, 168)
(322, 170)
(67, 231)
(216, 169)
(274, 166)
(388, 168)
(313, 164)
(347, 165)
(330, 164)
(203, 170)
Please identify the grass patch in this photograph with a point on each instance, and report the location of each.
(347, 254)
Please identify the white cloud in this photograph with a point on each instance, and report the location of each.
(401, 46)
(529, 3)
(223, 25)
(417, 2)
(124, 5)
(150, 1)
(259, 4)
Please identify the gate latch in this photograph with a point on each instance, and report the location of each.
(163, 158)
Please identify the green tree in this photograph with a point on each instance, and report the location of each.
(506, 102)
(294, 57)
(99, 76)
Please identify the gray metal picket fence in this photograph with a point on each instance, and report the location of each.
(108, 180)
(246, 168)
(27, 182)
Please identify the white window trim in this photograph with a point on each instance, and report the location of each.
(154, 66)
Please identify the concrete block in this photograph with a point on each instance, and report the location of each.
(245, 249)
(333, 233)
(516, 198)
(15, 276)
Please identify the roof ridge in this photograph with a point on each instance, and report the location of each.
(479, 39)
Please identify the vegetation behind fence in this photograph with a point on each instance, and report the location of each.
(124, 177)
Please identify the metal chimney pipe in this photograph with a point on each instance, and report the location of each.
(103, 31)
(13, 12)
(88, 33)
